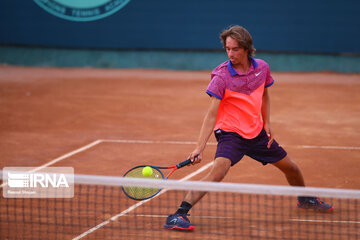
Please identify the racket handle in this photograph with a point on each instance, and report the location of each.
(184, 163)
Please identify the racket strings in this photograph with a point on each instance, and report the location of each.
(140, 193)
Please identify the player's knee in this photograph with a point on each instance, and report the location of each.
(288, 167)
(213, 177)
(218, 171)
(293, 169)
(219, 176)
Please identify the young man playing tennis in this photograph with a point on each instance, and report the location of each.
(239, 113)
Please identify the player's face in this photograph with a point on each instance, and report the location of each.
(236, 54)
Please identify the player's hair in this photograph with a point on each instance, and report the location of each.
(242, 36)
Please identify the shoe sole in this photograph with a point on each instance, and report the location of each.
(191, 228)
(317, 209)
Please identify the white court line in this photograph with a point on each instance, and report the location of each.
(164, 216)
(217, 217)
(323, 221)
(213, 143)
(90, 145)
(329, 147)
(153, 142)
(114, 218)
(67, 155)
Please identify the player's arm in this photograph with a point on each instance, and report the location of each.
(207, 129)
(265, 112)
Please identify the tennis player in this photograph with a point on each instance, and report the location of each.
(239, 114)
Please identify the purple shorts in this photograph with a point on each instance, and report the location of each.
(232, 146)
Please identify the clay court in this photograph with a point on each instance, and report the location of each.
(105, 121)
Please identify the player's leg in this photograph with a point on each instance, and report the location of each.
(179, 220)
(278, 157)
(218, 171)
(231, 148)
(295, 178)
(291, 171)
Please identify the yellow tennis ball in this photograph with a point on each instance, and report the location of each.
(147, 171)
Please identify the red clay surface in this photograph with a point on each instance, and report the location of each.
(48, 112)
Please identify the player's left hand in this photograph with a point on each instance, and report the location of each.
(270, 136)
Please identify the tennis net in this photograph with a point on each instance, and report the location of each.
(100, 210)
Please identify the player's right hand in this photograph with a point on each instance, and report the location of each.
(196, 156)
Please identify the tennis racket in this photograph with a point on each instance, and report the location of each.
(142, 193)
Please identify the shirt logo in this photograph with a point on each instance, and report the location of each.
(80, 10)
(257, 74)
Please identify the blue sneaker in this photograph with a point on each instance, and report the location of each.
(178, 222)
(313, 203)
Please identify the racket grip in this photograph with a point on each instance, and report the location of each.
(184, 163)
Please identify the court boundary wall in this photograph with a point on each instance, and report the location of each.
(170, 59)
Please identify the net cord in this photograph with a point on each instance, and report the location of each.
(215, 186)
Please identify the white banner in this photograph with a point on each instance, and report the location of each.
(51, 182)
